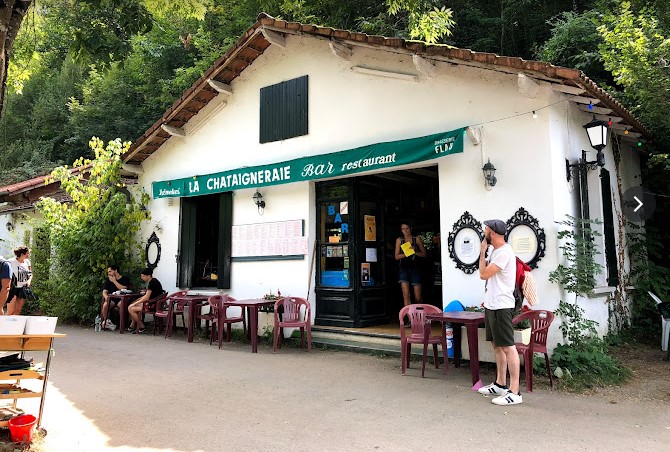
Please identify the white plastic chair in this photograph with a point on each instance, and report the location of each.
(665, 334)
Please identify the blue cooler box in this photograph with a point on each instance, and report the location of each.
(452, 307)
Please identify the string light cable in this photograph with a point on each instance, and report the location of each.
(534, 115)
(530, 112)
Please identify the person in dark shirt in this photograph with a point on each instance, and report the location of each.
(154, 289)
(6, 279)
(115, 281)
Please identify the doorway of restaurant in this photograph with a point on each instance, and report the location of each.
(358, 222)
(205, 241)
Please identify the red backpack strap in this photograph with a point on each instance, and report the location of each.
(521, 269)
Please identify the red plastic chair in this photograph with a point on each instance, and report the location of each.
(290, 318)
(210, 316)
(540, 321)
(165, 312)
(149, 306)
(417, 316)
(218, 316)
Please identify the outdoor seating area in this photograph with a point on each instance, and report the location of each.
(422, 317)
(217, 314)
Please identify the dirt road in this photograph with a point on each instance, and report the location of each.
(129, 393)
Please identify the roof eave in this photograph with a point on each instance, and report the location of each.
(155, 136)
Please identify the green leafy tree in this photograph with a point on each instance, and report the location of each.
(636, 51)
(98, 227)
(426, 19)
(574, 43)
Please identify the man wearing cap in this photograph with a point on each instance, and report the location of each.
(500, 274)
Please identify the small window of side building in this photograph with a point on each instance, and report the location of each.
(284, 110)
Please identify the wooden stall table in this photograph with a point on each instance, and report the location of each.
(471, 320)
(191, 303)
(252, 313)
(23, 343)
(123, 300)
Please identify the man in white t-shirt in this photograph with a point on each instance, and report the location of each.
(500, 275)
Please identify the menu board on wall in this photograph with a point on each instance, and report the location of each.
(278, 238)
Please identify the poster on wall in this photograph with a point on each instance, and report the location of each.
(365, 272)
(370, 223)
(276, 238)
(371, 254)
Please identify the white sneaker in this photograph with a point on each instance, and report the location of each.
(109, 325)
(509, 398)
(492, 389)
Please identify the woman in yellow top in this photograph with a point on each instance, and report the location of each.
(409, 267)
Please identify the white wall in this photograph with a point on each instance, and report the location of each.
(10, 238)
(249, 279)
(348, 110)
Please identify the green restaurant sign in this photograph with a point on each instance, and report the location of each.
(378, 156)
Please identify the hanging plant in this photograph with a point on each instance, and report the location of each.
(427, 239)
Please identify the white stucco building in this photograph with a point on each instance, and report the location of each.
(289, 95)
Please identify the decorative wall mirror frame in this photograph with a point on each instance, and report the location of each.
(526, 237)
(153, 251)
(464, 243)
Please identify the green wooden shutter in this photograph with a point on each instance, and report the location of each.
(186, 250)
(225, 239)
(284, 110)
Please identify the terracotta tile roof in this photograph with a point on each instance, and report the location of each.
(23, 195)
(253, 43)
(59, 196)
(22, 186)
(30, 184)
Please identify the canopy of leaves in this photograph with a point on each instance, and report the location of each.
(575, 43)
(427, 20)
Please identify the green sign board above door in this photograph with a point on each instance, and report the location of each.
(374, 157)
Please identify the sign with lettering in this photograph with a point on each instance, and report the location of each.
(378, 156)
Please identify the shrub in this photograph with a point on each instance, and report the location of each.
(96, 228)
(583, 361)
(588, 364)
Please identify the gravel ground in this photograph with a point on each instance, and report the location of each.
(142, 393)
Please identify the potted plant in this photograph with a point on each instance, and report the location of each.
(266, 316)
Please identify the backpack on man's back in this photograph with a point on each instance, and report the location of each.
(524, 286)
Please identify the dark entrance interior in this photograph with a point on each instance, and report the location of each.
(413, 197)
(205, 241)
(358, 221)
(206, 268)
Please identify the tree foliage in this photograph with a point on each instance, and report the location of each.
(575, 43)
(637, 53)
(427, 20)
(86, 235)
